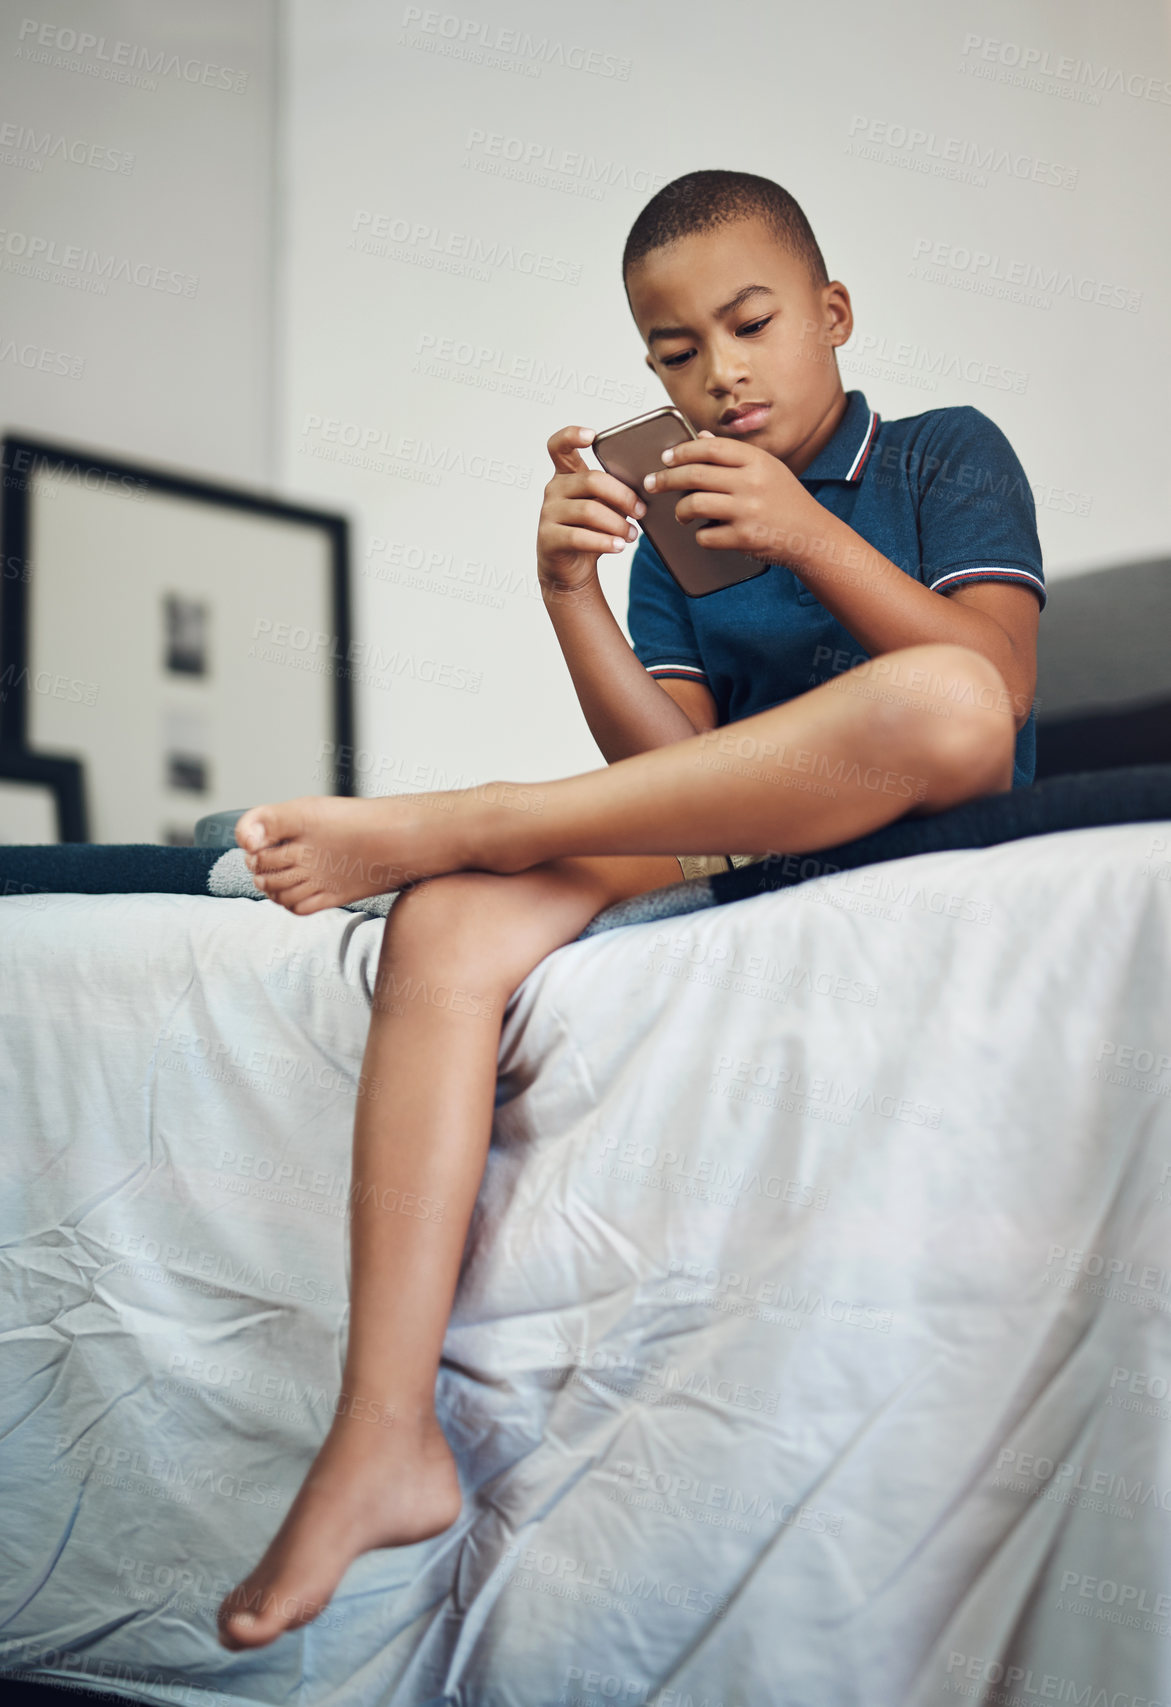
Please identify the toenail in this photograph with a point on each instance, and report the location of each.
(244, 1618)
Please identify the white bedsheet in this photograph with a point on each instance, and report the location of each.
(812, 1345)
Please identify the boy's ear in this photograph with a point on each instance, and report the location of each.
(839, 313)
(650, 361)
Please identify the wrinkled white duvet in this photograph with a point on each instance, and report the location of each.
(813, 1345)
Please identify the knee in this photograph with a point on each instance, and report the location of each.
(442, 923)
(970, 730)
(483, 929)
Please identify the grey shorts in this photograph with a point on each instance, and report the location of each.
(709, 865)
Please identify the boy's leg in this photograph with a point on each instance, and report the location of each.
(454, 950)
(385, 1475)
(919, 729)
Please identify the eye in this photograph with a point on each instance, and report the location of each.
(753, 326)
(677, 361)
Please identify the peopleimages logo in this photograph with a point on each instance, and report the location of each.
(927, 150)
(29, 253)
(365, 445)
(34, 358)
(1037, 62)
(25, 146)
(494, 368)
(422, 244)
(503, 48)
(1046, 279)
(864, 349)
(118, 59)
(553, 166)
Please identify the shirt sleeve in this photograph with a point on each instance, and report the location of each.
(977, 518)
(658, 619)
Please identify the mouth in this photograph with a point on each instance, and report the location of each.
(748, 418)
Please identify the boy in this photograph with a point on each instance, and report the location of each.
(885, 662)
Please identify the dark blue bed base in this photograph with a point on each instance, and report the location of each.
(1138, 794)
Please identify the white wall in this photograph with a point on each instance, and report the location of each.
(314, 320)
(390, 112)
(153, 125)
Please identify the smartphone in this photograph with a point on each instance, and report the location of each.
(634, 449)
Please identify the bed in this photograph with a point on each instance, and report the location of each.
(812, 1343)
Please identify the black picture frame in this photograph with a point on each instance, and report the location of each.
(63, 776)
(23, 456)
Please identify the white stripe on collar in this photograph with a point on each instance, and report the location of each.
(863, 447)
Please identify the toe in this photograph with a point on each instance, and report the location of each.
(252, 829)
(280, 878)
(264, 826)
(239, 1625)
(252, 1619)
(236, 1629)
(313, 903)
(278, 885)
(275, 857)
(306, 889)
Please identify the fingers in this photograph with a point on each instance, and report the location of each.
(578, 508)
(565, 447)
(705, 463)
(581, 539)
(729, 537)
(707, 506)
(707, 448)
(720, 538)
(694, 477)
(591, 513)
(595, 483)
(585, 512)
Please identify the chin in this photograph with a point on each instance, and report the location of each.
(771, 443)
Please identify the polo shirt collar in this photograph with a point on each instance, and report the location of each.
(844, 457)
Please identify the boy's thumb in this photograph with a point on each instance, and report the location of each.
(704, 434)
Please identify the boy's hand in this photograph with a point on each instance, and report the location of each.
(757, 504)
(584, 515)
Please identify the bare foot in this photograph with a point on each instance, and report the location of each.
(325, 851)
(361, 1492)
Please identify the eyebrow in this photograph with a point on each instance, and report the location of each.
(737, 301)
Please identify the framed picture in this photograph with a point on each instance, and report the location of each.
(187, 642)
(41, 799)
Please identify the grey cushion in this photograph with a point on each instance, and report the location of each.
(1104, 670)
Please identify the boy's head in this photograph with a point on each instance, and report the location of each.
(729, 290)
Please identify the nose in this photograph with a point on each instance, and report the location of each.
(727, 366)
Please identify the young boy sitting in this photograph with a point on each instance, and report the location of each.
(884, 663)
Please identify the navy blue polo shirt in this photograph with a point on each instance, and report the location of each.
(941, 494)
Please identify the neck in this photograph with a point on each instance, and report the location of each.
(822, 433)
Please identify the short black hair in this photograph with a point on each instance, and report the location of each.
(702, 201)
